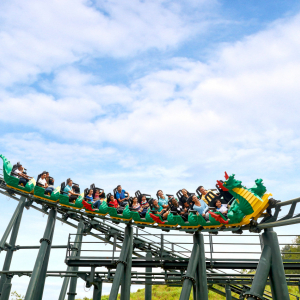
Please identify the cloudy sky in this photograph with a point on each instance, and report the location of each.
(152, 94)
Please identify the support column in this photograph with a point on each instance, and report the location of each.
(261, 275)
(97, 291)
(126, 282)
(276, 275)
(41, 280)
(148, 287)
(189, 277)
(78, 242)
(120, 266)
(6, 288)
(228, 292)
(12, 242)
(201, 278)
(12, 222)
(38, 267)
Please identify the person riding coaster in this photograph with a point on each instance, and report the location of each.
(139, 207)
(71, 191)
(94, 202)
(42, 182)
(20, 173)
(158, 208)
(199, 206)
(112, 202)
(177, 209)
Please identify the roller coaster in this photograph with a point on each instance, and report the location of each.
(245, 209)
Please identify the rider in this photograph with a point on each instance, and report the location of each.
(69, 191)
(95, 203)
(120, 196)
(43, 182)
(200, 206)
(19, 173)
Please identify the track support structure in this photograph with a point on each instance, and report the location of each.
(195, 275)
(15, 225)
(75, 252)
(126, 251)
(228, 292)
(261, 275)
(277, 275)
(37, 281)
(97, 291)
(148, 287)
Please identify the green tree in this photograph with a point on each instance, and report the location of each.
(292, 252)
(16, 296)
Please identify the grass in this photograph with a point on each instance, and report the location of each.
(173, 293)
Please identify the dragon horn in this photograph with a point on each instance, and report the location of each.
(226, 176)
(221, 186)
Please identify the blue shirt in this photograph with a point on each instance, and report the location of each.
(90, 198)
(158, 209)
(162, 201)
(201, 209)
(67, 189)
(120, 195)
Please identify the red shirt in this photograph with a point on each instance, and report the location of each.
(113, 203)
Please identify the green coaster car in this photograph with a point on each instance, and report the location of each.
(13, 182)
(126, 216)
(103, 209)
(39, 192)
(64, 201)
(137, 218)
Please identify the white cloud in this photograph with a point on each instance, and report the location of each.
(37, 37)
(236, 112)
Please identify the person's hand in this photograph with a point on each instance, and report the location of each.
(203, 215)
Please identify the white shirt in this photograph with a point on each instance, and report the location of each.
(223, 208)
(17, 171)
(42, 181)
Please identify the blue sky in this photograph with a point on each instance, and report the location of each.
(152, 94)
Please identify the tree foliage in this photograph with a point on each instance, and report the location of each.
(292, 252)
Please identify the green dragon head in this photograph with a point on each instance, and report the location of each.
(232, 183)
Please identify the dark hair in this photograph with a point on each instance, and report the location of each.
(111, 196)
(51, 180)
(68, 180)
(118, 186)
(158, 191)
(134, 198)
(201, 186)
(217, 201)
(90, 190)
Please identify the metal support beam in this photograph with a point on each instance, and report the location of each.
(78, 240)
(38, 267)
(12, 242)
(126, 282)
(148, 287)
(201, 278)
(120, 265)
(277, 275)
(97, 291)
(12, 222)
(228, 292)
(77, 245)
(41, 280)
(189, 277)
(6, 288)
(261, 275)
